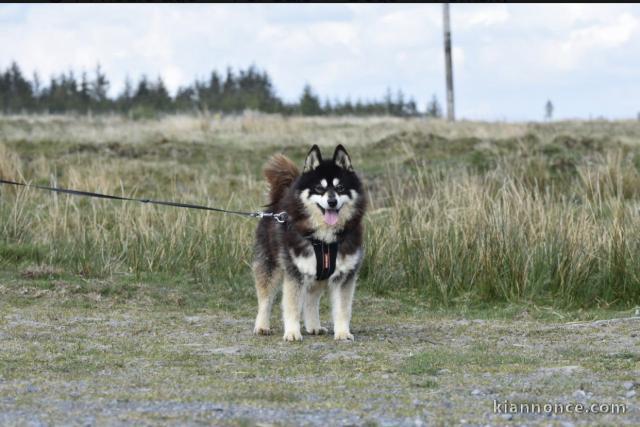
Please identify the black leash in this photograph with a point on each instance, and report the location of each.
(280, 217)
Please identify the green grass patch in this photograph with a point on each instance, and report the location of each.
(432, 362)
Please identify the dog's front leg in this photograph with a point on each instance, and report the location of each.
(292, 297)
(311, 309)
(341, 300)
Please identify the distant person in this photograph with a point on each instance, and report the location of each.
(548, 110)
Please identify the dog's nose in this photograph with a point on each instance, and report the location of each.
(332, 202)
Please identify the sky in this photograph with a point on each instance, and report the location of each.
(508, 58)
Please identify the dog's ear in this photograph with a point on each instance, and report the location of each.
(342, 159)
(313, 160)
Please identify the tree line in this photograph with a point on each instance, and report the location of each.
(231, 93)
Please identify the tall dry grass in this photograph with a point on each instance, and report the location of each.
(461, 237)
(540, 216)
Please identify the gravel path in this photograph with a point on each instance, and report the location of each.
(128, 364)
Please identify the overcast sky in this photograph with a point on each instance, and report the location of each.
(508, 59)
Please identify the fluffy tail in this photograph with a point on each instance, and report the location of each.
(280, 173)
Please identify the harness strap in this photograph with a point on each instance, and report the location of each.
(326, 254)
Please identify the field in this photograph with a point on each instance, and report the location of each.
(501, 264)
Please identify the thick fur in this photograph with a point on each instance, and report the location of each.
(284, 254)
(280, 173)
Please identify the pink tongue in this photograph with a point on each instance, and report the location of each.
(331, 217)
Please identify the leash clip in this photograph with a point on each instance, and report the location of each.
(280, 217)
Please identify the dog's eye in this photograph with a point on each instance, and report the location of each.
(319, 189)
(339, 188)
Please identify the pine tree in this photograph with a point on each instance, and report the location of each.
(388, 102)
(161, 98)
(411, 108)
(125, 99)
(84, 95)
(20, 93)
(186, 99)
(5, 95)
(141, 95)
(36, 90)
(327, 108)
(309, 102)
(398, 108)
(229, 102)
(433, 108)
(99, 89)
(213, 92)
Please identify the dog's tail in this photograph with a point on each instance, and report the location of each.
(280, 173)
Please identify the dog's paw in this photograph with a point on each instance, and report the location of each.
(292, 336)
(261, 331)
(317, 331)
(343, 336)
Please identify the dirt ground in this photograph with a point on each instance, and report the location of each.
(92, 359)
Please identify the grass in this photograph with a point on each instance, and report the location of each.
(490, 250)
(482, 356)
(468, 213)
(129, 352)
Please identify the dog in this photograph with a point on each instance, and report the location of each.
(318, 246)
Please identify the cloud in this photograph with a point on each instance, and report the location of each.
(506, 56)
(477, 17)
(583, 42)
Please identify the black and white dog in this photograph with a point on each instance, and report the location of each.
(319, 245)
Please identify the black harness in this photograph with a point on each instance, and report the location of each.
(326, 254)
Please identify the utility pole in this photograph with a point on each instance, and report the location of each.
(447, 61)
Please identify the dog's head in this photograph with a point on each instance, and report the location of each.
(330, 190)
